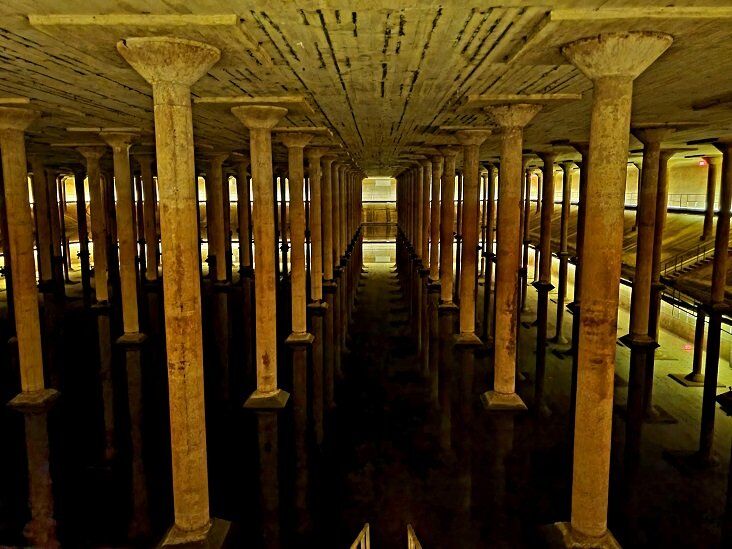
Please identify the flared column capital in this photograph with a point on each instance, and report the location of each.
(164, 59)
(620, 55)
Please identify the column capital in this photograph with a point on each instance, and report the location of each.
(92, 153)
(298, 140)
(259, 117)
(567, 165)
(547, 157)
(582, 147)
(216, 158)
(240, 158)
(450, 151)
(120, 141)
(164, 59)
(651, 135)
(17, 118)
(144, 158)
(512, 115)
(472, 137)
(622, 55)
(667, 154)
(316, 153)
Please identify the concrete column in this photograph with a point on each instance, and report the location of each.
(563, 250)
(419, 195)
(437, 165)
(471, 141)
(459, 232)
(126, 233)
(426, 220)
(19, 240)
(526, 239)
(715, 308)
(327, 211)
(295, 143)
(336, 217)
(79, 176)
(544, 284)
(98, 222)
(215, 218)
(243, 213)
(172, 65)
(42, 221)
(315, 173)
(342, 182)
(713, 164)
(54, 216)
(489, 255)
(260, 120)
(148, 213)
(639, 340)
(612, 62)
(447, 226)
(511, 119)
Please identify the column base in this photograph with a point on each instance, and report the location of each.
(212, 537)
(638, 341)
(494, 401)
(468, 339)
(689, 463)
(132, 339)
(329, 286)
(561, 534)
(424, 271)
(318, 307)
(433, 285)
(558, 340)
(447, 307)
(300, 339)
(543, 286)
(34, 401)
(221, 286)
(267, 401)
(152, 284)
(101, 307)
(690, 380)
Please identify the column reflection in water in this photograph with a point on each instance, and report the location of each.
(318, 351)
(105, 382)
(139, 526)
(445, 379)
(221, 333)
(300, 422)
(40, 531)
(329, 351)
(269, 496)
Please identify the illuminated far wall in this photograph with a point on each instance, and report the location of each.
(379, 208)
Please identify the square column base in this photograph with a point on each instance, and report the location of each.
(468, 339)
(213, 537)
(267, 401)
(132, 339)
(494, 401)
(687, 380)
(34, 401)
(295, 339)
(447, 307)
(317, 307)
(561, 534)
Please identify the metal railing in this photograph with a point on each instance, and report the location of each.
(412, 541)
(690, 257)
(363, 540)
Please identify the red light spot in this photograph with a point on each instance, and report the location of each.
(702, 162)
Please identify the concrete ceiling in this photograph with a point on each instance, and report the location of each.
(383, 76)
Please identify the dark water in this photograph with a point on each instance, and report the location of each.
(377, 430)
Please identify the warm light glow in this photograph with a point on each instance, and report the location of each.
(702, 162)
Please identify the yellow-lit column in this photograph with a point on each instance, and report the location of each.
(98, 223)
(471, 141)
(13, 123)
(612, 62)
(434, 276)
(215, 218)
(447, 226)
(295, 143)
(260, 119)
(511, 118)
(148, 213)
(314, 154)
(172, 65)
(127, 234)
